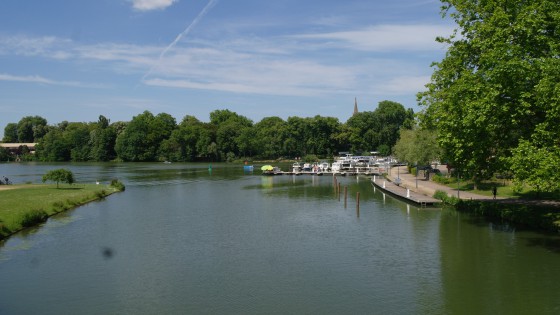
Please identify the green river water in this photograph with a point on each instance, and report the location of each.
(186, 240)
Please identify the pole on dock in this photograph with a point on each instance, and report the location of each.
(407, 193)
(358, 204)
(345, 196)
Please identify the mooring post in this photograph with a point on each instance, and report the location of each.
(345, 196)
(338, 191)
(407, 193)
(358, 204)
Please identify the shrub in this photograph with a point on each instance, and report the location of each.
(33, 217)
(100, 194)
(115, 183)
(440, 194)
(450, 200)
(438, 178)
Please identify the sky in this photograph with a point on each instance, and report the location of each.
(68, 60)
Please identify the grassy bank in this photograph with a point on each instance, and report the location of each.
(24, 206)
(522, 215)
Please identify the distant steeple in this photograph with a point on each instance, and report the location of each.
(355, 106)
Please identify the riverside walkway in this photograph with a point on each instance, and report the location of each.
(425, 187)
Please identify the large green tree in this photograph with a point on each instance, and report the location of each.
(269, 137)
(229, 127)
(31, 128)
(380, 128)
(491, 90)
(143, 136)
(417, 146)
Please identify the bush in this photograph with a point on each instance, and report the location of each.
(115, 183)
(450, 200)
(33, 217)
(101, 194)
(438, 178)
(440, 194)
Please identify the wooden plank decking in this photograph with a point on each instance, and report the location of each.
(403, 193)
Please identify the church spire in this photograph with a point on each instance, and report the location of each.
(355, 106)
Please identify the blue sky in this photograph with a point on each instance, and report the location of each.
(76, 60)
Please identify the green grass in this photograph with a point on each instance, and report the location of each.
(23, 206)
(505, 189)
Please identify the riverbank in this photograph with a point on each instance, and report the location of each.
(539, 215)
(24, 206)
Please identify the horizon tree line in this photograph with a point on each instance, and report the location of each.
(227, 136)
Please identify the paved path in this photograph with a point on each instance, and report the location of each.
(428, 187)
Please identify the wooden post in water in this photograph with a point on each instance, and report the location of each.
(358, 204)
(338, 192)
(345, 196)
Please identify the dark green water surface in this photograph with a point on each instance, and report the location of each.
(185, 240)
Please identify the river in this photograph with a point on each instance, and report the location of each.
(186, 239)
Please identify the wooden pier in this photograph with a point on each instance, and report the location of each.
(326, 173)
(403, 193)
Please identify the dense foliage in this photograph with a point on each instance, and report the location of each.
(227, 136)
(495, 97)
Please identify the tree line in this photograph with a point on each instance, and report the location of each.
(227, 136)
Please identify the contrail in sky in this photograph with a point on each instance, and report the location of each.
(199, 17)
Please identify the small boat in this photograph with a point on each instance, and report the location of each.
(296, 167)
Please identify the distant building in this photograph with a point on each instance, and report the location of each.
(17, 148)
(355, 106)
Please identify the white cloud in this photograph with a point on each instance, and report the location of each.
(42, 80)
(384, 38)
(358, 61)
(148, 5)
(403, 85)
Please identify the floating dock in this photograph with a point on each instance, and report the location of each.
(403, 193)
(326, 173)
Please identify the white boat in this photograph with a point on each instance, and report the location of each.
(324, 166)
(336, 166)
(296, 167)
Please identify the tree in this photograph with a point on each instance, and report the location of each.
(371, 130)
(102, 141)
(53, 147)
(417, 146)
(141, 139)
(493, 89)
(59, 175)
(31, 129)
(11, 133)
(269, 134)
(4, 154)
